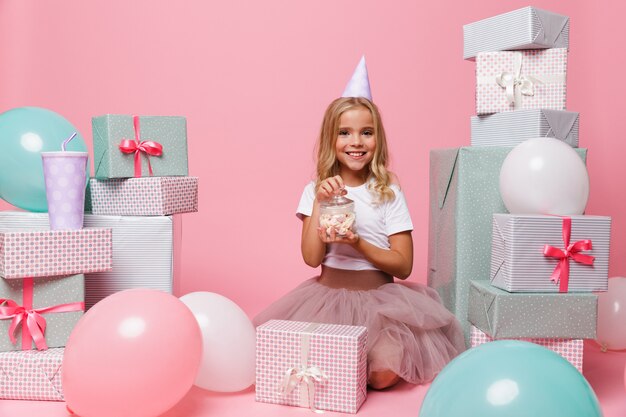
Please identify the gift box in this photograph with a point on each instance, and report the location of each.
(320, 366)
(27, 251)
(505, 315)
(513, 127)
(136, 146)
(570, 349)
(536, 253)
(146, 196)
(519, 80)
(39, 312)
(146, 252)
(464, 194)
(31, 375)
(526, 28)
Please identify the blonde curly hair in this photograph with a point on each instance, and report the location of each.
(327, 163)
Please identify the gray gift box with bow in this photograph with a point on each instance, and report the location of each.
(464, 195)
(503, 315)
(513, 127)
(109, 131)
(47, 292)
(525, 28)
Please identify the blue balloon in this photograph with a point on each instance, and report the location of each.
(513, 379)
(25, 132)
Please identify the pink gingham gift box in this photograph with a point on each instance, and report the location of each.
(31, 375)
(314, 365)
(144, 196)
(570, 349)
(519, 80)
(44, 253)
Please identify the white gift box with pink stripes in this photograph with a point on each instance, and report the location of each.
(570, 349)
(519, 80)
(314, 365)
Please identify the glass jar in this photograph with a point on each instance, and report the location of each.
(337, 214)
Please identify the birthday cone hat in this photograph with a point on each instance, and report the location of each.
(359, 84)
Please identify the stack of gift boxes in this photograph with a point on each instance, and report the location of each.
(488, 266)
(130, 240)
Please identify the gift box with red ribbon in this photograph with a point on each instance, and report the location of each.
(32, 375)
(313, 365)
(27, 252)
(146, 196)
(542, 253)
(39, 313)
(518, 80)
(127, 146)
(570, 349)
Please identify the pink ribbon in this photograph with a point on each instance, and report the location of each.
(561, 272)
(33, 323)
(138, 146)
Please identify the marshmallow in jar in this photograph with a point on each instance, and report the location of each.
(337, 214)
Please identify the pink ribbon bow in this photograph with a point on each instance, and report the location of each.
(138, 146)
(33, 323)
(561, 272)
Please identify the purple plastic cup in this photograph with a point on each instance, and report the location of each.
(65, 175)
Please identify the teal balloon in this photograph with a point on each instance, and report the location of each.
(25, 132)
(510, 378)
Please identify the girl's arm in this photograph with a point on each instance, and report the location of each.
(396, 261)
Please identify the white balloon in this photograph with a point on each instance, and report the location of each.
(229, 338)
(544, 176)
(611, 331)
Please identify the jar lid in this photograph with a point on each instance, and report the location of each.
(337, 201)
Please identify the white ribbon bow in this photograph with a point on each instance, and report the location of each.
(516, 84)
(294, 376)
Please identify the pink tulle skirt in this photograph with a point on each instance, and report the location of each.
(409, 331)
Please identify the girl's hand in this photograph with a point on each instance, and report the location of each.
(349, 238)
(329, 188)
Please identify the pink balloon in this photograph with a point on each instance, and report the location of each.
(136, 353)
(611, 331)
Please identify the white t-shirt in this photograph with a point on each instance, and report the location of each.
(374, 223)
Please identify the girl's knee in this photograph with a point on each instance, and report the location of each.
(382, 379)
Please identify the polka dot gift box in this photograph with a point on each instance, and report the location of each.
(518, 80)
(570, 349)
(127, 146)
(146, 196)
(31, 375)
(42, 253)
(504, 315)
(313, 365)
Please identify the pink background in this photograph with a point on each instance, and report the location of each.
(253, 79)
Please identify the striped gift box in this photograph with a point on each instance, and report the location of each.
(570, 349)
(146, 251)
(520, 80)
(31, 375)
(332, 356)
(144, 196)
(526, 28)
(518, 263)
(513, 127)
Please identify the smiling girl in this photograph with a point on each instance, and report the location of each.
(411, 336)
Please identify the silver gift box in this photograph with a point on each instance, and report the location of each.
(514, 127)
(519, 265)
(526, 28)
